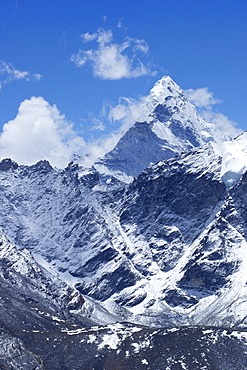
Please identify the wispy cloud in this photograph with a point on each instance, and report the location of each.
(111, 60)
(126, 111)
(201, 97)
(9, 73)
(40, 131)
(221, 121)
(97, 124)
(205, 102)
(123, 115)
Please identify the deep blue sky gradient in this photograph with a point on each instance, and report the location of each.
(198, 43)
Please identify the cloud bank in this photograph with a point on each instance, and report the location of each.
(111, 60)
(204, 100)
(201, 97)
(9, 73)
(39, 131)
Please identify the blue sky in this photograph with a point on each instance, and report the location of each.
(83, 56)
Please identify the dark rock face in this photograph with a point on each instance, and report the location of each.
(200, 276)
(145, 147)
(110, 282)
(42, 167)
(7, 163)
(235, 209)
(184, 133)
(175, 298)
(15, 355)
(185, 194)
(163, 113)
(172, 206)
(94, 263)
(128, 347)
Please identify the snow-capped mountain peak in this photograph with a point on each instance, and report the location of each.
(165, 91)
(168, 125)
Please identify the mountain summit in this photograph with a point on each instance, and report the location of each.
(168, 125)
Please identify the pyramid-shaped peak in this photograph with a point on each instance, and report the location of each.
(168, 125)
(165, 87)
(164, 92)
(165, 81)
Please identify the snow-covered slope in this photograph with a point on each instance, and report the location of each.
(80, 255)
(33, 296)
(234, 158)
(168, 249)
(169, 124)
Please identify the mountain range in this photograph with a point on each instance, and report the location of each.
(115, 266)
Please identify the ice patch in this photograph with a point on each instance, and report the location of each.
(240, 335)
(234, 158)
(91, 338)
(139, 346)
(111, 340)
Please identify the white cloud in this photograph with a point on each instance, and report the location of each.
(9, 73)
(222, 122)
(201, 97)
(39, 131)
(124, 114)
(97, 124)
(104, 37)
(139, 45)
(119, 24)
(86, 37)
(37, 76)
(126, 111)
(204, 100)
(110, 60)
